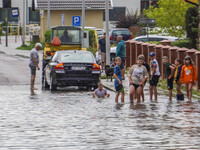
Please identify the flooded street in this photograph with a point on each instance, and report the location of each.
(72, 120)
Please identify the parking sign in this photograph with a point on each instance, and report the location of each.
(76, 21)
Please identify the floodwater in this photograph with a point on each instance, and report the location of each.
(72, 120)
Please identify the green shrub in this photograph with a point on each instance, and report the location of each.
(183, 43)
(48, 36)
(92, 50)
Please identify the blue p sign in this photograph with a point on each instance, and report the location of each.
(76, 21)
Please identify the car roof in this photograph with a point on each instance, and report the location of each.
(157, 36)
(72, 51)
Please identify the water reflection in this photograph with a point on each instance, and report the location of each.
(72, 119)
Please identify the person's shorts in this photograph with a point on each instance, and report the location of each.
(119, 88)
(154, 80)
(33, 70)
(135, 86)
(103, 57)
(170, 83)
(122, 63)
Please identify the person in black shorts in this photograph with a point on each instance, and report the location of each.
(169, 75)
(154, 76)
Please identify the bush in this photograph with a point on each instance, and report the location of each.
(93, 51)
(191, 21)
(48, 36)
(131, 19)
(183, 43)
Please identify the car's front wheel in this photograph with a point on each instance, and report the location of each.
(53, 86)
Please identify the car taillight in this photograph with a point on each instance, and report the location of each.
(59, 66)
(49, 53)
(111, 37)
(95, 67)
(130, 37)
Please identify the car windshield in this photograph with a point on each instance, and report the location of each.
(121, 32)
(100, 32)
(67, 36)
(76, 57)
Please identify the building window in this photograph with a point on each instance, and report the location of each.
(34, 16)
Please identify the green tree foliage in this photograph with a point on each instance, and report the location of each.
(47, 36)
(192, 25)
(169, 16)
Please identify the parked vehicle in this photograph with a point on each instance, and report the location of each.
(71, 68)
(112, 56)
(100, 32)
(153, 37)
(125, 33)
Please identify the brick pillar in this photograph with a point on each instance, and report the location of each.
(172, 54)
(166, 42)
(181, 53)
(165, 50)
(138, 49)
(191, 53)
(145, 51)
(150, 49)
(158, 53)
(197, 54)
(127, 60)
(133, 52)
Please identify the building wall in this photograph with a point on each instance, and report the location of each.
(131, 5)
(93, 18)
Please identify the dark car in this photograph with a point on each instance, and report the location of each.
(125, 33)
(72, 68)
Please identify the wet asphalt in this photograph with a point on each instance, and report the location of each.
(69, 119)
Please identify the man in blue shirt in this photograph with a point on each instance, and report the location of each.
(121, 52)
(102, 50)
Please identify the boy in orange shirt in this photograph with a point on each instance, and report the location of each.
(188, 76)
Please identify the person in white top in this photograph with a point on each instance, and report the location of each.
(154, 76)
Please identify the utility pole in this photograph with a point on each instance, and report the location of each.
(107, 33)
(48, 16)
(6, 27)
(83, 22)
(24, 18)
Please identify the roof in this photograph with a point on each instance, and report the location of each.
(70, 4)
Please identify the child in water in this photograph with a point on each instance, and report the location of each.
(188, 76)
(178, 66)
(100, 92)
(118, 80)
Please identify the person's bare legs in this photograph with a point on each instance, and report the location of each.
(139, 92)
(131, 93)
(187, 90)
(170, 95)
(151, 92)
(190, 91)
(155, 93)
(142, 94)
(32, 84)
(178, 88)
(116, 97)
(122, 97)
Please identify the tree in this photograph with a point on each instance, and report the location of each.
(192, 25)
(169, 16)
(130, 19)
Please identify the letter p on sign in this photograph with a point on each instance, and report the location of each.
(76, 21)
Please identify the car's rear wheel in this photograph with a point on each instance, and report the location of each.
(53, 86)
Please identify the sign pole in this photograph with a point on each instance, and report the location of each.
(48, 15)
(107, 34)
(83, 22)
(6, 27)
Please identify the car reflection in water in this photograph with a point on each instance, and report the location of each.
(72, 68)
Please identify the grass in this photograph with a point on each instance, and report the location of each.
(163, 84)
(29, 47)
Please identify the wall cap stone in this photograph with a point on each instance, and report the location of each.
(183, 49)
(139, 43)
(166, 47)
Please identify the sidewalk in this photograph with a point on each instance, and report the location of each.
(13, 44)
